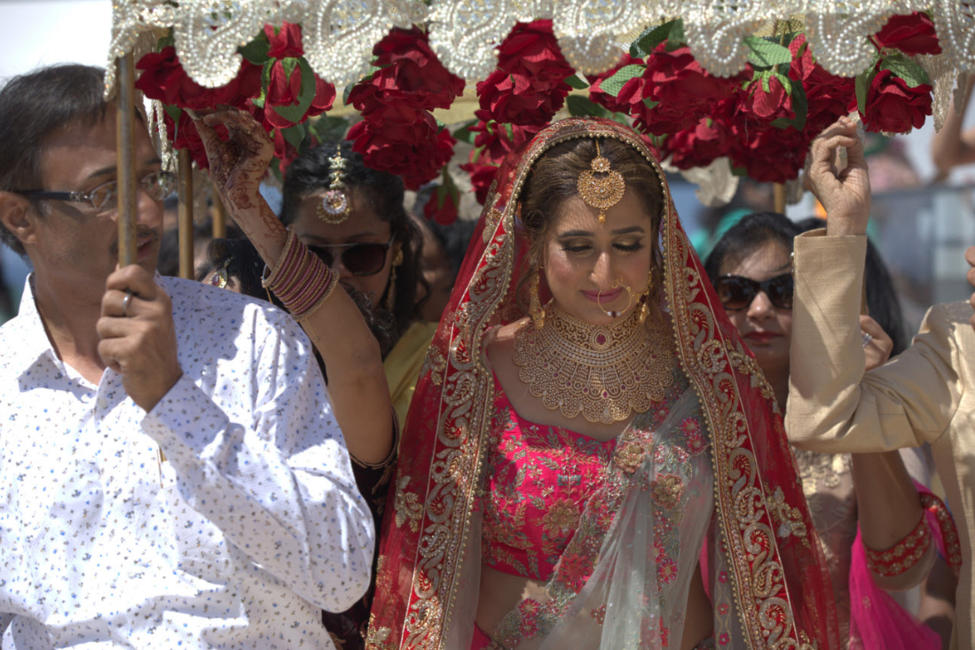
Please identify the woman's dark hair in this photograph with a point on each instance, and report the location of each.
(554, 179)
(384, 193)
(34, 105)
(882, 300)
(747, 236)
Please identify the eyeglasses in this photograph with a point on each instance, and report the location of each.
(359, 259)
(737, 292)
(158, 185)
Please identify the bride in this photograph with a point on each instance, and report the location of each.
(592, 458)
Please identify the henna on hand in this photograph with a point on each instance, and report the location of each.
(238, 164)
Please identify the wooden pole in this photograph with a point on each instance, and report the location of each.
(126, 167)
(185, 168)
(779, 197)
(219, 218)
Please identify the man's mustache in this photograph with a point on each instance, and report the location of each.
(141, 232)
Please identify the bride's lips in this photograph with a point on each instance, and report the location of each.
(604, 296)
(761, 337)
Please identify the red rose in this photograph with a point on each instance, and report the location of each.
(444, 213)
(911, 35)
(604, 99)
(187, 137)
(528, 86)
(324, 97)
(827, 96)
(284, 151)
(893, 106)
(767, 106)
(285, 90)
(163, 78)
(678, 89)
(493, 140)
(482, 175)
(409, 73)
(769, 155)
(284, 43)
(416, 152)
(700, 145)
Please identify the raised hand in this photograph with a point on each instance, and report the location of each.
(879, 346)
(844, 193)
(238, 164)
(138, 337)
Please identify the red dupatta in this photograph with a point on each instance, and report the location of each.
(770, 586)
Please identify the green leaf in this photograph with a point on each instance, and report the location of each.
(577, 82)
(614, 84)
(464, 133)
(649, 103)
(740, 171)
(296, 113)
(763, 53)
(800, 106)
(330, 129)
(907, 69)
(651, 37)
(862, 87)
(440, 126)
(166, 41)
(294, 135)
(256, 51)
(784, 80)
(174, 112)
(509, 131)
(676, 37)
(580, 106)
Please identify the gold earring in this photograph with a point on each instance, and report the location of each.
(645, 299)
(535, 309)
(391, 290)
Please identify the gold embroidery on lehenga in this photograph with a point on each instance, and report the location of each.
(378, 638)
(408, 508)
(788, 519)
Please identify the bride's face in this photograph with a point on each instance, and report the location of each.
(583, 259)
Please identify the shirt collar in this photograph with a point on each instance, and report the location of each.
(29, 340)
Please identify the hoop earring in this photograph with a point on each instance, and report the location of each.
(535, 309)
(629, 293)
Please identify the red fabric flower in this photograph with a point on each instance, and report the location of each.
(769, 154)
(528, 86)
(767, 106)
(678, 89)
(409, 73)
(482, 176)
(827, 96)
(163, 78)
(285, 42)
(187, 137)
(285, 90)
(445, 214)
(284, 151)
(604, 99)
(416, 151)
(911, 35)
(893, 106)
(494, 140)
(699, 145)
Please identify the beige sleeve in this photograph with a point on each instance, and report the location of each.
(833, 406)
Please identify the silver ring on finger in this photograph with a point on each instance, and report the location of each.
(125, 304)
(866, 339)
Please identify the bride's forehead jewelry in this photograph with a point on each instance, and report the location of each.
(604, 191)
(335, 206)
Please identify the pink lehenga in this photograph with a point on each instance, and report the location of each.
(615, 530)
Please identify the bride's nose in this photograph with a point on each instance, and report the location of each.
(602, 271)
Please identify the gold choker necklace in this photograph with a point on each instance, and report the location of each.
(605, 372)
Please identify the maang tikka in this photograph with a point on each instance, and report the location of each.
(335, 207)
(603, 192)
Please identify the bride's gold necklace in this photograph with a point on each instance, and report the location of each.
(605, 372)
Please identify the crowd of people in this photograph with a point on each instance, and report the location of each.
(580, 436)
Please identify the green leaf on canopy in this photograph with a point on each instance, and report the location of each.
(577, 81)
(296, 112)
(329, 129)
(614, 84)
(580, 106)
(464, 133)
(763, 53)
(294, 135)
(907, 69)
(863, 82)
(651, 37)
(256, 51)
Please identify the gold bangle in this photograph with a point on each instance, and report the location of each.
(332, 283)
(269, 280)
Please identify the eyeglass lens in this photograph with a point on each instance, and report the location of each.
(359, 259)
(737, 292)
(157, 185)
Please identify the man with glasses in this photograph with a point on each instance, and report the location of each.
(172, 473)
(922, 395)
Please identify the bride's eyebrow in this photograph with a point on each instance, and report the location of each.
(586, 233)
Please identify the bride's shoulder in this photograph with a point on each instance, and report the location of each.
(499, 341)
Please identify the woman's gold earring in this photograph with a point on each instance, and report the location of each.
(391, 290)
(535, 309)
(645, 298)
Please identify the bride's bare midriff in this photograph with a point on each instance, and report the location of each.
(501, 592)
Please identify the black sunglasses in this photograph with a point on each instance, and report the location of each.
(359, 259)
(736, 292)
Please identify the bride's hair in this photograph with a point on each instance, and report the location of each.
(554, 179)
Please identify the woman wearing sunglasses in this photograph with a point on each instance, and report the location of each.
(751, 270)
(343, 258)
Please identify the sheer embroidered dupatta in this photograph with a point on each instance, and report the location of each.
(768, 582)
